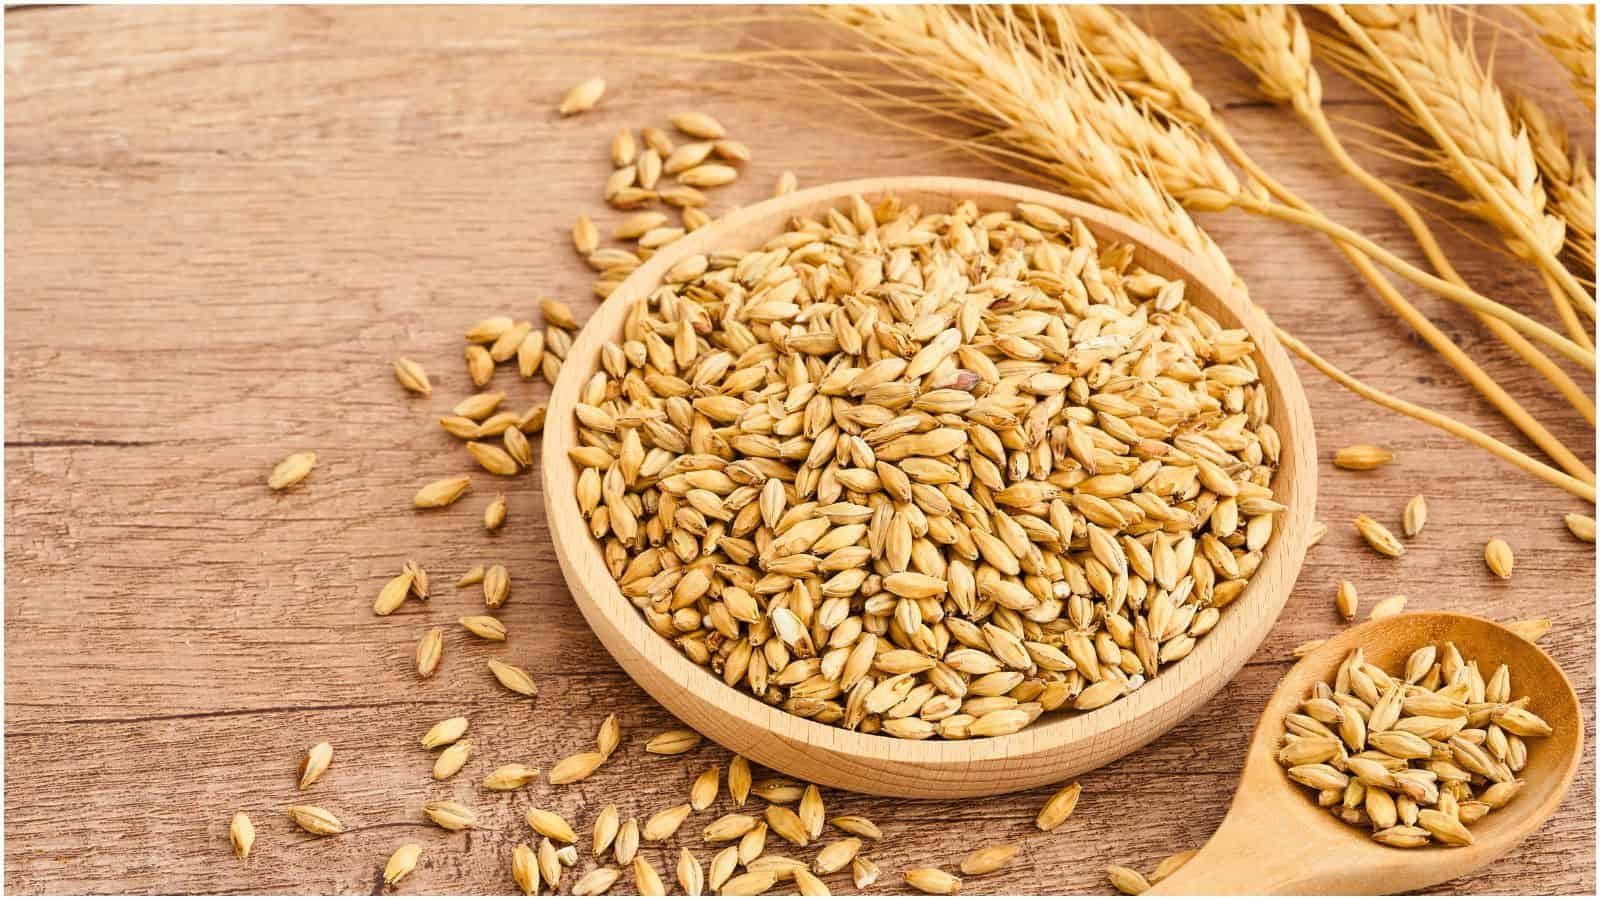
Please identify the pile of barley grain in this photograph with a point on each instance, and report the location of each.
(1416, 757)
(928, 474)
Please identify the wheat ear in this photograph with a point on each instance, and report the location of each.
(1411, 54)
(1569, 185)
(1017, 96)
(1272, 42)
(1568, 33)
(1027, 104)
(1139, 66)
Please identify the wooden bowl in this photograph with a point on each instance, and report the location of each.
(1055, 747)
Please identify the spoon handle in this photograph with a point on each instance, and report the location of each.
(1224, 867)
(1258, 851)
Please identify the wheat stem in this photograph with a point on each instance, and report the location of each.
(1444, 423)
(1456, 293)
(1413, 220)
(1464, 168)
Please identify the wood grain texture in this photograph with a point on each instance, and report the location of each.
(223, 223)
(1056, 747)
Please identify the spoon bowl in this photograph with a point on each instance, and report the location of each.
(1276, 840)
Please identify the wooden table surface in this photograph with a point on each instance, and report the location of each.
(222, 224)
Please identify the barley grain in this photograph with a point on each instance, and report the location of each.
(549, 861)
(445, 732)
(703, 792)
(860, 826)
(582, 97)
(401, 863)
(1387, 607)
(1171, 864)
(739, 780)
(1347, 600)
(525, 869)
(430, 649)
(1058, 807)
(836, 855)
(315, 820)
(646, 880)
(809, 885)
(241, 835)
(551, 825)
(494, 515)
(596, 882)
(708, 175)
(698, 125)
(933, 881)
(510, 777)
(450, 815)
(1497, 554)
(314, 763)
(665, 823)
(811, 811)
(863, 873)
(1362, 457)
(480, 365)
(1378, 537)
(496, 586)
(576, 767)
(1126, 880)
(987, 860)
(673, 742)
(1415, 516)
(513, 678)
(393, 594)
(291, 471)
(750, 884)
(412, 377)
(443, 492)
(691, 877)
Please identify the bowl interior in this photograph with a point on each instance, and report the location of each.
(1057, 745)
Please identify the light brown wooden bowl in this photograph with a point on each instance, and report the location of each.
(1057, 746)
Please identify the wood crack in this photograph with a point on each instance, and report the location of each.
(221, 713)
(61, 443)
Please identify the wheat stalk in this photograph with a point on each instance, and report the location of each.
(983, 64)
(1577, 488)
(1272, 42)
(1412, 57)
(1568, 33)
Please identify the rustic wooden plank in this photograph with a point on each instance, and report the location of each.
(222, 224)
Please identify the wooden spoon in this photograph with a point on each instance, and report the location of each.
(1275, 840)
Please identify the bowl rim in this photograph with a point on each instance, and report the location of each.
(1249, 618)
